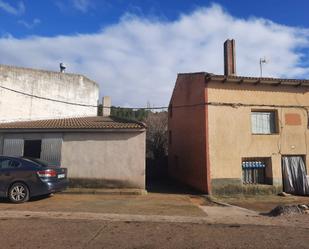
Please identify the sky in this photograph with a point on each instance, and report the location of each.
(134, 49)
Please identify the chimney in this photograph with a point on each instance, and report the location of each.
(229, 58)
(107, 103)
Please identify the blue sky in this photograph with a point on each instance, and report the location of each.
(134, 49)
(87, 16)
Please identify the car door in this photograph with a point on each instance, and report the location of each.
(8, 169)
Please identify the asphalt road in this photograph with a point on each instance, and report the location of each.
(53, 233)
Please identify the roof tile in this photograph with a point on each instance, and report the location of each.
(97, 122)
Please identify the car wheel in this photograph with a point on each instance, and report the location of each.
(19, 193)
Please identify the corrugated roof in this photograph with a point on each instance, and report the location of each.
(98, 122)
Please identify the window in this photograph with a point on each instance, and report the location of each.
(263, 122)
(254, 170)
(9, 164)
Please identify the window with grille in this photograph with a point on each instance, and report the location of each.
(263, 122)
(254, 170)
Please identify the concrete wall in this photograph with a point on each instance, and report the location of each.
(105, 159)
(98, 159)
(230, 136)
(60, 86)
(187, 146)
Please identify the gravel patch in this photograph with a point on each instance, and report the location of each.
(289, 210)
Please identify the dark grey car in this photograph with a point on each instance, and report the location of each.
(22, 178)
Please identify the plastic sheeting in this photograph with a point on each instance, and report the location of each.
(294, 175)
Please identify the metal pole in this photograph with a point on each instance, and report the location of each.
(262, 60)
(261, 70)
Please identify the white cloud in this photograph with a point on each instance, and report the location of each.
(30, 25)
(137, 60)
(18, 10)
(82, 5)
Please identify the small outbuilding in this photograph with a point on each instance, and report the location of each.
(98, 151)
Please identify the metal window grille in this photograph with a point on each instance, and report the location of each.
(263, 122)
(253, 172)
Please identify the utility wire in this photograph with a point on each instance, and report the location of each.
(234, 105)
(78, 104)
(49, 99)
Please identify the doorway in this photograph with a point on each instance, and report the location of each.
(32, 148)
(294, 175)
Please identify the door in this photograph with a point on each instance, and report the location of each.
(51, 150)
(32, 148)
(13, 147)
(294, 175)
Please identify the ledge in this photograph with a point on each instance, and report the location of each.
(102, 191)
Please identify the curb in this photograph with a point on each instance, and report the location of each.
(105, 191)
(102, 217)
(211, 199)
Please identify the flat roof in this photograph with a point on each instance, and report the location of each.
(43, 71)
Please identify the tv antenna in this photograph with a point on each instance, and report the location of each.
(262, 61)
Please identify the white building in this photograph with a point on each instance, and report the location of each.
(31, 94)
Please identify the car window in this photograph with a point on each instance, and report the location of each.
(9, 164)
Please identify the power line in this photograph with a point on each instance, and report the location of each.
(77, 104)
(45, 98)
(234, 105)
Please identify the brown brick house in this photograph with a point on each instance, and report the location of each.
(231, 133)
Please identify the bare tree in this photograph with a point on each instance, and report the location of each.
(157, 135)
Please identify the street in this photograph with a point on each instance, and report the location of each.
(57, 233)
(146, 221)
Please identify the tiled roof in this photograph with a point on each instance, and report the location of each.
(257, 80)
(98, 122)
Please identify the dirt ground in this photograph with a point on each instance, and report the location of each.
(146, 221)
(45, 233)
(154, 204)
(262, 203)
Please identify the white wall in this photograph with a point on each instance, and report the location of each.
(61, 86)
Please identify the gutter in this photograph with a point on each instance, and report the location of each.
(71, 130)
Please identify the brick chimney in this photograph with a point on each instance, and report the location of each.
(229, 57)
(107, 103)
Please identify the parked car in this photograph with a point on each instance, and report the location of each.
(22, 178)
